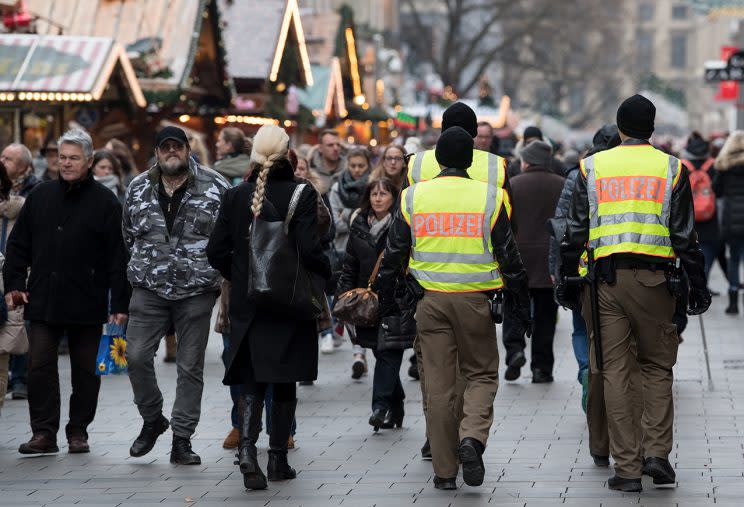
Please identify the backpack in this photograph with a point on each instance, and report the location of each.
(703, 197)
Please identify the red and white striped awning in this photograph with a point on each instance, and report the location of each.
(53, 66)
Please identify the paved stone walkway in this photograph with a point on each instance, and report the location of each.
(536, 456)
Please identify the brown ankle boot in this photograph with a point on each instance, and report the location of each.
(170, 349)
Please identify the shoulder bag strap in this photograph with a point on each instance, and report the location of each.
(376, 270)
(293, 205)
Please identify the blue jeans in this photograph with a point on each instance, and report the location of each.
(580, 341)
(710, 252)
(235, 391)
(736, 251)
(268, 397)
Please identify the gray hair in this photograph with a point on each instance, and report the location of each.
(80, 138)
(26, 156)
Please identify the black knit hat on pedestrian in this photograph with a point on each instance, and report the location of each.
(537, 153)
(696, 149)
(635, 117)
(532, 133)
(460, 115)
(455, 148)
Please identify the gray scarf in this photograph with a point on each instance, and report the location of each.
(378, 227)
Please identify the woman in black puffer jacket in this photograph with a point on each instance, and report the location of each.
(367, 239)
(729, 185)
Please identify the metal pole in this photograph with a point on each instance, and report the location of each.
(705, 350)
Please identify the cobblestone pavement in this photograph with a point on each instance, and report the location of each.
(537, 454)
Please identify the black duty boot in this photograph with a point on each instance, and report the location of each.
(250, 429)
(394, 417)
(377, 419)
(426, 451)
(661, 471)
(625, 485)
(733, 307)
(282, 415)
(470, 453)
(447, 483)
(151, 430)
(181, 452)
(514, 366)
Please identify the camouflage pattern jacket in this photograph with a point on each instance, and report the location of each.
(174, 266)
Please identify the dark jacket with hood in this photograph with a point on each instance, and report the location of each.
(681, 229)
(272, 345)
(69, 235)
(729, 185)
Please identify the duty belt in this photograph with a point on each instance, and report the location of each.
(638, 264)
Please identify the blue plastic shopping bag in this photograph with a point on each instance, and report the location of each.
(112, 359)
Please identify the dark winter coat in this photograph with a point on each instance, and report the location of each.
(359, 262)
(561, 211)
(70, 236)
(267, 344)
(535, 194)
(729, 185)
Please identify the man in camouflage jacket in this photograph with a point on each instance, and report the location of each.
(169, 214)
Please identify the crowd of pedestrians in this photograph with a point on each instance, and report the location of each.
(87, 238)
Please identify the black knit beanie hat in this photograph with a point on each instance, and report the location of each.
(455, 148)
(460, 115)
(635, 117)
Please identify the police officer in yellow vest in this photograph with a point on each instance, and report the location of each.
(485, 167)
(632, 206)
(454, 233)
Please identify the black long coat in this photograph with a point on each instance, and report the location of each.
(359, 262)
(268, 345)
(70, 236)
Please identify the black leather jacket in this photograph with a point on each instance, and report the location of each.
(504, 248)
(681, 229)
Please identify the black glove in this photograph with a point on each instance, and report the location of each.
(522, 312)
(699, 301)
(568, 295)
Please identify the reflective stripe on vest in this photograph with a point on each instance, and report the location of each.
(451, 220)
(486, 167)
(630, 193)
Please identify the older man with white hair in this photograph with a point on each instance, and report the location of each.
(68, 234)
(19, 166)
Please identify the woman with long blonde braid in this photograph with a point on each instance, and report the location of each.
(268, 346)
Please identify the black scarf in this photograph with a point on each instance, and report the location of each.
(350, 191)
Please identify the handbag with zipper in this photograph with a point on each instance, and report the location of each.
(360, 306)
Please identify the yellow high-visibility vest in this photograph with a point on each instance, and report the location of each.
(451, 219)
(630, 194)
(486, 167)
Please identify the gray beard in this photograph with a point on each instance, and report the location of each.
(174, 169)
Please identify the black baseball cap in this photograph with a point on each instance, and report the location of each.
(171, 132)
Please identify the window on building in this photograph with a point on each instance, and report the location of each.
(645, 50)
(679, 11)
(679, 50)
(646, 11)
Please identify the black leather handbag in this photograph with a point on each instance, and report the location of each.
(276, 276)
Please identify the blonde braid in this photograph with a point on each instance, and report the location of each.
(269, 145)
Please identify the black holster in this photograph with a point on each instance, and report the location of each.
(496, 306)
(675, 278)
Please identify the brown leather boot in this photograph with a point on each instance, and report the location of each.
(170, 349)
(232, 439)
(77, 444)
(40, 443)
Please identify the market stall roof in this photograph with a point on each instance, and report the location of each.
(170, 30)
(36, 67)
(326, 95)
(272, 22)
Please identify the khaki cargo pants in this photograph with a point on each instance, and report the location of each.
(456, 330)
(637, 309)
